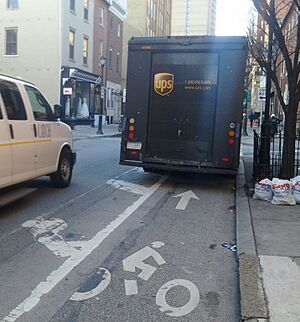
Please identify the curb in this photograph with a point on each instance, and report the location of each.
(96, 136)
(253, 302)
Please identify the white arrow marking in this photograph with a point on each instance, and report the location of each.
(136, 261)
(185, 199)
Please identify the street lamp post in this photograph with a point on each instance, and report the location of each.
(102, 61)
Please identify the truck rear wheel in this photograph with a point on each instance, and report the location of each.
(62, 177)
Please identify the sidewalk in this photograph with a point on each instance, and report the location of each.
(268, 243)
(81, 132)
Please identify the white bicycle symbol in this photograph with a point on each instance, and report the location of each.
(136, 260)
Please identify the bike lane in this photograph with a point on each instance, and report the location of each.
(172, 266)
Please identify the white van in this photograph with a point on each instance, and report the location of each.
(33, 142)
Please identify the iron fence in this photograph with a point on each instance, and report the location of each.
(273, 169)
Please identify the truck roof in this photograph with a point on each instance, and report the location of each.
(188, 39)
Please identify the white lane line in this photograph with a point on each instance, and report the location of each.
(128, 186)
(59, 274)
(281, 278)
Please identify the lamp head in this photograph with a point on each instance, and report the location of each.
(102, 61)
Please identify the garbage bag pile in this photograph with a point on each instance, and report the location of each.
(278, 191)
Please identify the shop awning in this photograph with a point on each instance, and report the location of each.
(85, 77)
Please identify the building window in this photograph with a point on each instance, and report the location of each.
(101, 49)
(12, 4)
(111, 24)
(85, 50)
(86, 9)
(110, 58)
(71, 44)
(118, 63)
(72, 5)
(119, 30)
(101, 17)
(11, 42)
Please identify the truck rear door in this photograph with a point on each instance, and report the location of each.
(182, 107)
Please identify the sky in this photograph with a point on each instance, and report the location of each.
(232, 17)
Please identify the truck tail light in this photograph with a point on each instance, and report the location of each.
(231, 141)
(131, 128)
(231, 133)
(225, 159)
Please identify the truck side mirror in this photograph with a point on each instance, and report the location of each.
(57, 111)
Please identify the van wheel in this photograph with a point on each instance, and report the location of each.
(62, 177)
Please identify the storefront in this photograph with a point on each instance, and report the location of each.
(80, 96)
(113, 102)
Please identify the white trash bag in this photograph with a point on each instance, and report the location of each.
(263, 190)
(282, 192)
(296, 189)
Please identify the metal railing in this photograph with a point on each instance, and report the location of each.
(274, 168)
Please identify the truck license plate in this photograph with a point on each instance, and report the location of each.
(134, 145)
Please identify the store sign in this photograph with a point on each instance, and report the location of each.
(67, 91)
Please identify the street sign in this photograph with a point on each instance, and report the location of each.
(261, 94)
(67, 91)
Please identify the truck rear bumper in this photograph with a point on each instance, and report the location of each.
(182, 168)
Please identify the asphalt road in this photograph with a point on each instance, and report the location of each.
(120, 245)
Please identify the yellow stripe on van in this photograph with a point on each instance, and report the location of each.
(24, 142)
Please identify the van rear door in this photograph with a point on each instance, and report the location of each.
(5, 150)
(183, 105)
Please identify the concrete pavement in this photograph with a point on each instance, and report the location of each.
(85, 131)
(268, 243)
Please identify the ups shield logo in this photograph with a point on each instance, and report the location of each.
(163, 83)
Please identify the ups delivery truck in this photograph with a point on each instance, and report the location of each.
(184, 103)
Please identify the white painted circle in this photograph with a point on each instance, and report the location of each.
(82, 296)
(182, 310)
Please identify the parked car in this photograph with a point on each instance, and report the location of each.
(33, 141)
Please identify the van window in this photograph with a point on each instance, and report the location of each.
(13, 102)
(40, 107)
